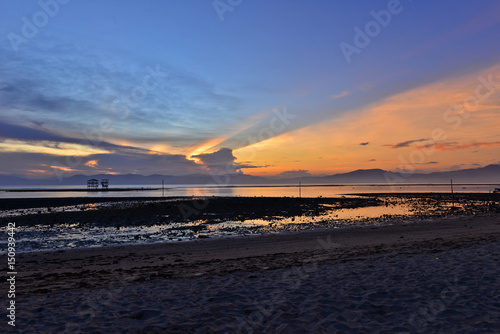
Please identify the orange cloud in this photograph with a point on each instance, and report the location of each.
(91, 163)
(110, 173)
(66, 169)
(37, 171)
(454, 146)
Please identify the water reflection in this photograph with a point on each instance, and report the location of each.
(251, 191)
(392, 211)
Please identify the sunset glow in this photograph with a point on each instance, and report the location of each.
(52, 148)
(370, 136)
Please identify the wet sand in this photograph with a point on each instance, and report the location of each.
(317, 281)
(58, 223)
(156, 210)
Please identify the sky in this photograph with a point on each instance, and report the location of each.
(268, 88)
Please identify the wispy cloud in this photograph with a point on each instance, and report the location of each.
(182, 108)
(427, 163)
(454, 146)
(46, 138)
(295, 173)
(340, 95)
(406, 143)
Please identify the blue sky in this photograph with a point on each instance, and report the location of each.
(150, 81)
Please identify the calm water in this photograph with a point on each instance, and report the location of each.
(279, 191)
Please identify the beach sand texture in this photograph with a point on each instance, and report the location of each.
(428, 277)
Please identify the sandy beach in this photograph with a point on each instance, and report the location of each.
(432, 276)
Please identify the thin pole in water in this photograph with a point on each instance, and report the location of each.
(300, 189)
(162, 188)
(452, 195)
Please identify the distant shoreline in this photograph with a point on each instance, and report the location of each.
(78, 189)
(250, 186)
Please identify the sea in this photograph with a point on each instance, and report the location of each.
(289, 190)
